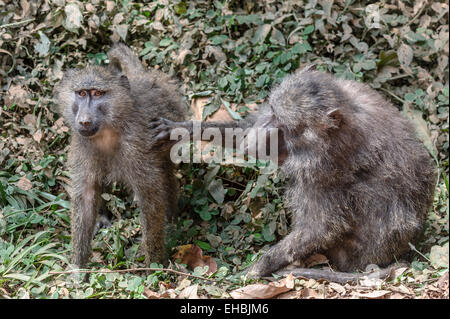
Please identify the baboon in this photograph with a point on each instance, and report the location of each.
(360, 183)
(108, 110)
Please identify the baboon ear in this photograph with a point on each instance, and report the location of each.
(68, 74)
(335, 118)
(115, 66)
(124, 81)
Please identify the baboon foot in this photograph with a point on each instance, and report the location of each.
(103, 221)
(265, 266)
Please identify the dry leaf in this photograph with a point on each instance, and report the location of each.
(338, 288)
(399, 271)
(439, 256)
(402, 289)
(16, 94)
(258, 291)
(371, 295)
(288, 282)
(316, 259)
(37, 136)
(110, 5)
(443, 281)
(396, 296)
(24, 183)
(30, 119)
(182, 55)
(197, 106)
(290, 295)
(263, 291)
(371, 282)
(74, 17)
(191, 255)
(189, 292)
(310, 293)
(151, 294)
(405, 55)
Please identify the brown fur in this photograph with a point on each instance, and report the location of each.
(122, 148)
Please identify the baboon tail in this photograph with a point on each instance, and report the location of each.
(123, 57)
(341, 277)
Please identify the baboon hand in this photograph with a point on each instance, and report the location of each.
(161, 129)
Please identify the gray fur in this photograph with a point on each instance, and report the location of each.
(360, 183)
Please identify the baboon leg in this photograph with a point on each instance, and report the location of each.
(295, 246)
(84, 214)
(152, 206)
(171, 191)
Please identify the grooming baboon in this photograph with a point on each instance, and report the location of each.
(360, 183)
(109, 109)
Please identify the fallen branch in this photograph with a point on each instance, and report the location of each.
(16, 23)
(85, 271)
(340, 277)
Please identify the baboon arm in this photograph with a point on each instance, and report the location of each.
(163, 128)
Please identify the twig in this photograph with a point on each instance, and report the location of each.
(16, 23)
(417, 14)
(85, 271)
(398, 77)
(393, 95)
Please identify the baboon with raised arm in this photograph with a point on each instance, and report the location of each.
(108, 110)
(360, 183)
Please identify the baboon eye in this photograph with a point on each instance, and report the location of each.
(82, 93)
(98, 93)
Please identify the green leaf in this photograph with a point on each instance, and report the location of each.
(202, 245)
(410, 97)
(222, 82)
(262, 80)
(217, 190)
(218, 39)
(277, 37)
(268, 232)
(301, 48)
(165, 42)
(209, 109)
(148, 47)
(205, 214)
(233, 114)
(180, 8)
(421, 127)
(261, 33)
(309, 29)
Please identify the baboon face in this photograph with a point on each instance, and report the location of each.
(310, 108)
(87, 106)
(93, 98)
